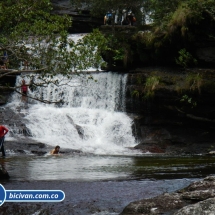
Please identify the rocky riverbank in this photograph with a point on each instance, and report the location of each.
(196, 199)
(175, 114)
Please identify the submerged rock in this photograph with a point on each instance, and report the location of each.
(3, 173)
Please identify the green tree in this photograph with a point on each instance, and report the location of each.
(176, 25)
(32, 35)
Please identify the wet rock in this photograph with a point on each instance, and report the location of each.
(40, 145)
(3, 173)
(70, 151)
(206, 207)
(14, 208)
(151, 146)
(157, 205)
(20, 129)
(206, 183)
(38, 152)
(197, 198)
(21, 151)
(79, 129)
(199, 194)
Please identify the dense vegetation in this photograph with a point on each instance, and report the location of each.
(32, 39)
(176, 28)
(179, 25)
(176, 32)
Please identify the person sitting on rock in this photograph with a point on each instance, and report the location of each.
(55, 151)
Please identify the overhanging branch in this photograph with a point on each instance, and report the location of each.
(12, 71)
(37, 99)
(40, 100)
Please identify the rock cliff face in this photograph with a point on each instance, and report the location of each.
(178, 118)
(5, 94)
(82, 20)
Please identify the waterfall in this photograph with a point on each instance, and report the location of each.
(91, 117)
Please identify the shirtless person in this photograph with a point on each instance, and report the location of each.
(55, 151)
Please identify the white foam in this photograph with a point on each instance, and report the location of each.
(104, 132)
(96, 105)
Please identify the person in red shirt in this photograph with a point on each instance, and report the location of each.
(3, 132)
(24, 90)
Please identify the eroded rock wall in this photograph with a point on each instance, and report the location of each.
(82, 20)
(176, 119)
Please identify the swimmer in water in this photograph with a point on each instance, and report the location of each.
(55, 151)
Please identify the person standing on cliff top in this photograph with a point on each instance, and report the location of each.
(3, 132)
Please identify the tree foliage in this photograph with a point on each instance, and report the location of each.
(180, 16)
(176, 25)
(32, 35)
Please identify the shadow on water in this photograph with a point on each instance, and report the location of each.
(162, 167)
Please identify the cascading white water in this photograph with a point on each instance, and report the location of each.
(95, 106)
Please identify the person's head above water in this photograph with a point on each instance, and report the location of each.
(55, 150)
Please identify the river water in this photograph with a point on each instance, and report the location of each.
(99, 184)
(89, 167)
(107, 174)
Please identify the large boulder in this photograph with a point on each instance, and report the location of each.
(196, 199)
(82, 20)
(3, 173)
(206, 207)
